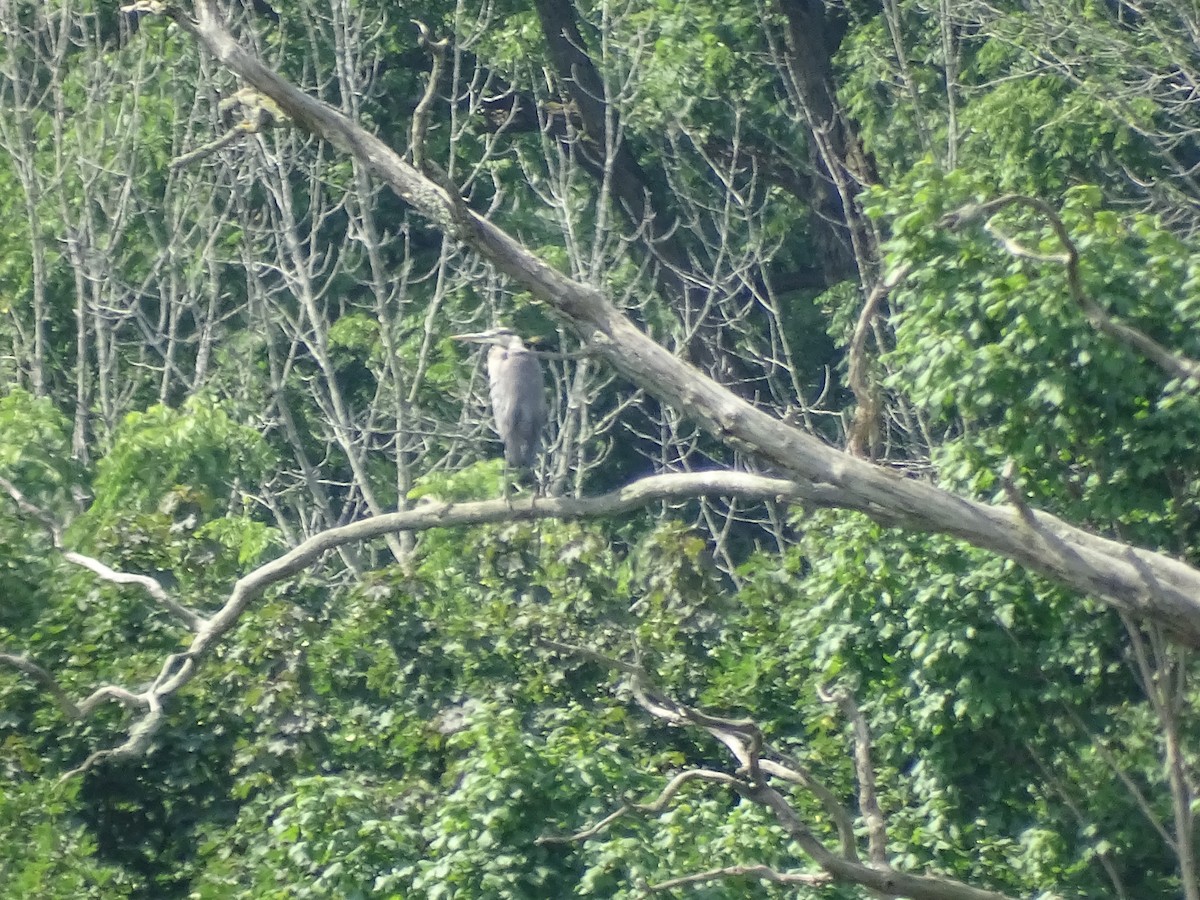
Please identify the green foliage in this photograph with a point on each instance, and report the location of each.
(994, 350)
(156, 452)
(380, 730)
(975, 679)
(35, 448)
(35, 456)
(44, 849)
(441, 742)
(994, 345)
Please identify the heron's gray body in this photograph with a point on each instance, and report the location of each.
(518, 395)
(518, 401)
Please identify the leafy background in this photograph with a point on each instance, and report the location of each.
(203, 364)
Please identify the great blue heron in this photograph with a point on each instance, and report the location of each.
(518, 394)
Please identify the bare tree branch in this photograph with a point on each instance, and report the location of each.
(420, 117)
(33, 511)
(136, 745)
(888, 882)
(1156, 667)
(179, 669)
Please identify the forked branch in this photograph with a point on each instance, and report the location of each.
(753, 780)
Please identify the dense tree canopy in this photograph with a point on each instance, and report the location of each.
(867, 558)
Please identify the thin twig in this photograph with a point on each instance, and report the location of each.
(45, 679)
(106, 573)
(1174, 364)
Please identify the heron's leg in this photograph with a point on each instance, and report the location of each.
(537, 490)
(540, 479)
(506, 485)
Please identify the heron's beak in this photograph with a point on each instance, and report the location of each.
(475, 337)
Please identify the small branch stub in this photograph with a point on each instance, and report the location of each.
(251, 112)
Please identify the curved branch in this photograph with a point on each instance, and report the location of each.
(793, 770)
(150, 585)
(886, 881)
(135, 745)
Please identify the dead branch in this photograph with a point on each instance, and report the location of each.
(179, 668)
(790, 769)
(254, 114)
(887, 881)
(136, 745)
(140, 734)
(1013, 493)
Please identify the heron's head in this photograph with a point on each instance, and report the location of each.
(493, 337)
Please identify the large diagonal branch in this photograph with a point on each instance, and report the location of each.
(1140, 582)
